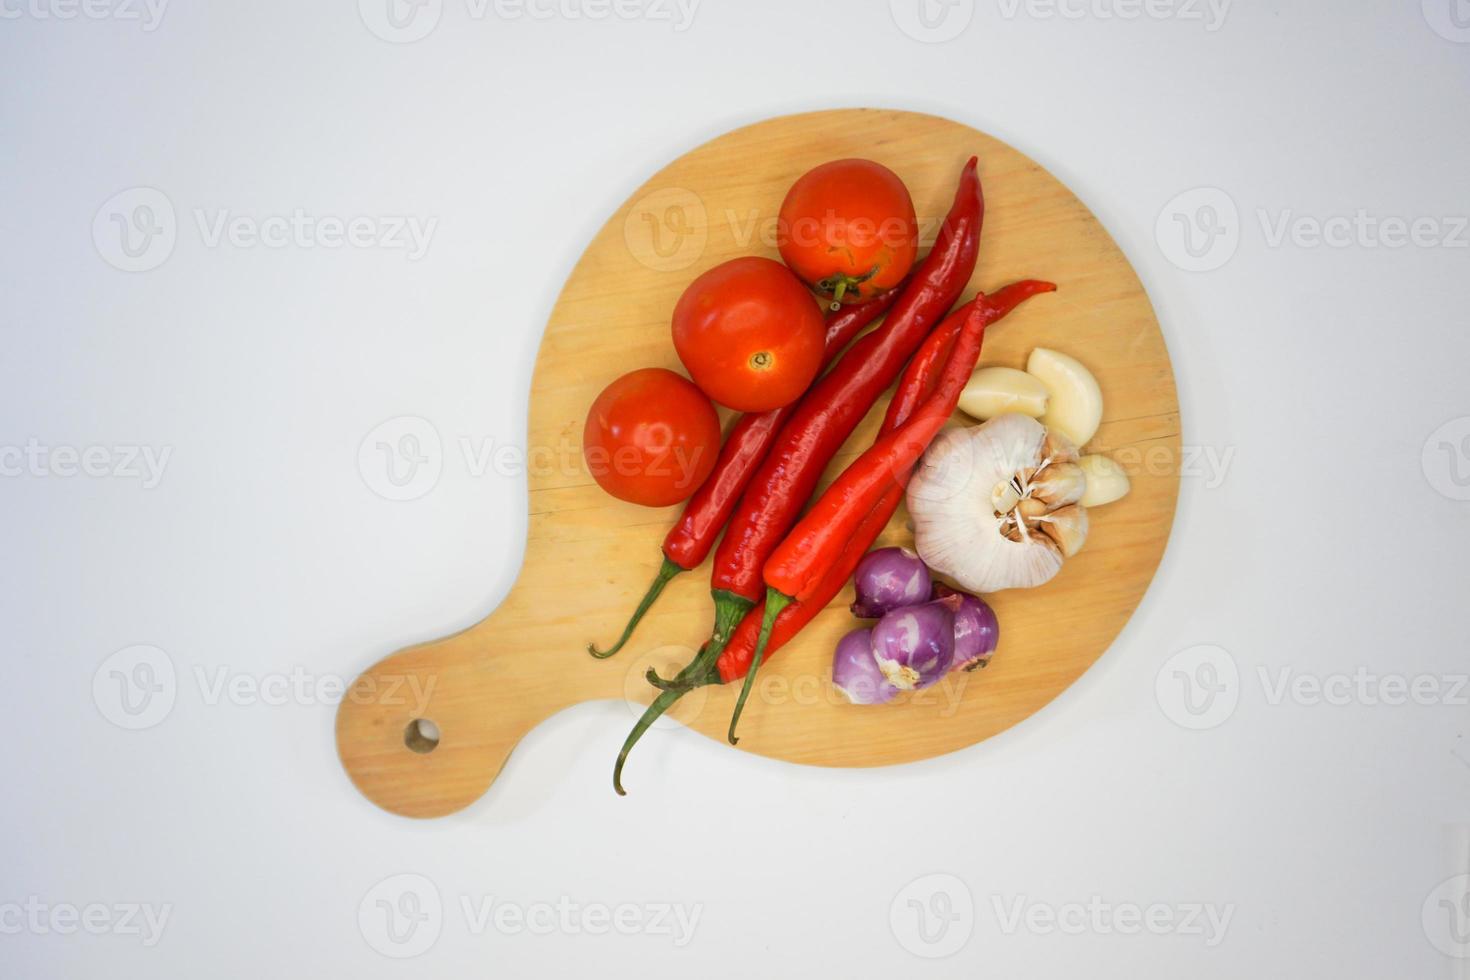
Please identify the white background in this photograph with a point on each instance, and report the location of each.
(1333, 541)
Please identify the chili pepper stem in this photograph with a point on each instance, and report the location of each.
(730, 609)
(666, 571)
(775, 602)
(660, 704)
(696, 673)
(702, 672)
(652, 677)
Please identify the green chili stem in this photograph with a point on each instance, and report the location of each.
(730, 609)
(653, 678)
(775, 602)
(666, 571)
(660, 704)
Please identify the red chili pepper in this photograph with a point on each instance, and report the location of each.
(796, 569)
(830, 411)
(818, 538)
(918, 383)
(735, 660)
(689, 541)
(838, 402)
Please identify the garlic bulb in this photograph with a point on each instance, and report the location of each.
(997, 506)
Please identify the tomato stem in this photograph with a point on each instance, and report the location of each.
(837, 293)
(839, 284)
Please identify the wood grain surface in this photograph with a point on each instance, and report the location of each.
(589, 557)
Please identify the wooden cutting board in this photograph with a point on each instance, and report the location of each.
(589, 557)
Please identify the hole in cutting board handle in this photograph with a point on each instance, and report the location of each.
(421, 736)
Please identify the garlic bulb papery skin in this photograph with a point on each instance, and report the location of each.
(995, 506)
(1067, 526)
(1058, 485)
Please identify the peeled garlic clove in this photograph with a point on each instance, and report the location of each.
(1075, 407)
(1059, 485)
(996, 391)
(1106, 481)
(1067, 527)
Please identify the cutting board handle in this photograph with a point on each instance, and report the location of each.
(425, 731)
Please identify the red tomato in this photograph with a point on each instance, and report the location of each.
(651, 438)
(847, 228)
(750, 334)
